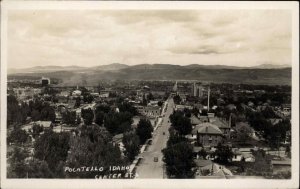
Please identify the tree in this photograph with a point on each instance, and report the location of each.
(16, 113)
(243, 133)
(35, 115)
(36, 130)
(117, 123)
(99, 117)
(144, 130)
(17, 136)
(160, 103)
(127, 107)
(268, 112)
(77, 102)
(261, 164)
(132, 145)
(52, 147)
(288, 151)
(69, 117)
(187, 112)
(224, 153)
(179, 160)
(87, 115)
(48, 113)
(177, 99)
(195, 111)
(88, 98)
(17, 167)
(39, 169)
(103, 108)
(175, 138)
(181, 123)
(78, 120)
(203, 153)
(150, 97)
(93, 147)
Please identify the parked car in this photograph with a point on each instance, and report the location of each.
(155, 159)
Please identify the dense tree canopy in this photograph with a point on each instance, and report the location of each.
(144, 130)
(223, 153)
(17, 136)
(93, 147)
(69, 117)
(179, 160)
(17, 167)
(127, 107)
(132, 145)
(181, 123)
(87, 116)
(117, 123)
(177, 99)
(52, 147)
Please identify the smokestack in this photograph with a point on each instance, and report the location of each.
(208, 99)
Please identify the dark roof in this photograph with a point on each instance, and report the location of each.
(219, 123)
(207, 128)
(195, 120)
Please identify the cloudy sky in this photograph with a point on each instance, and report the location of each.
(91, 38)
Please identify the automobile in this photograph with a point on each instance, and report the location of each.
(155, 159)
(164, 133)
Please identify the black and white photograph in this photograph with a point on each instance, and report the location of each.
(144, 94)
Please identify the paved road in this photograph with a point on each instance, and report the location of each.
(147, 167)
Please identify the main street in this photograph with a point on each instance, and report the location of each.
(148, 168)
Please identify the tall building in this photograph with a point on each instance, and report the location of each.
(175, 88)
(197, 90)
(45, 81)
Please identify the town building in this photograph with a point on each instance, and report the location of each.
(208, 134)
(26, 93)
(45, 81)
(150, 111)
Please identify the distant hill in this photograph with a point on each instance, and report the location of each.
(216, 73)
(114, 66)
(271, 66)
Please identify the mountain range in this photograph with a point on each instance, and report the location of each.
(70, 75)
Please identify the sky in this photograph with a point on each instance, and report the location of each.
(98, 37)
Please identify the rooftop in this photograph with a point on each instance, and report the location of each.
(207, 128)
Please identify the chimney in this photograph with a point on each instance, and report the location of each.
(206, 129)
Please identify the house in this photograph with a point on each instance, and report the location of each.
(240, 155)
(182, 107)
(248, 157)
(208, 168)
(104, 95)
(45, 124)
(76, 93)
(208, 134)
(237, 155)
(64, 93)
(223, 126)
